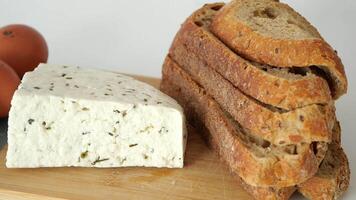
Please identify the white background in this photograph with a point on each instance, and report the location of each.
(134, 36)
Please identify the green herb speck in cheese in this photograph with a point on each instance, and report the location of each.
(110, 134)
(145, 100)
(69, 78)
(109, 89)
(46, 126)
(145, 156)
(67, 84)
(84, 154)
(65, 66)
(130, 90)
(132, 145)
(85, 109)
(147, 128)
(158, 102)
(123, 94)
(123, 160)
(52, 84)
(119, 82)
(76, 86)
(99, 160)
(86, 133)
(63, 75)
(124, 113)
(30, 121)
(117, 111)
(162, 130)
(37, 88)
(147, 95)
(117, 122)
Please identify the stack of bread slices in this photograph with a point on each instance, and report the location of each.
(259, 82)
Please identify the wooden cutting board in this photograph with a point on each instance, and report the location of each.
(203, 177)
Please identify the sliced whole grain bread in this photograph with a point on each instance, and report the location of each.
(208, 73)
(258, 193)
(255, 162)
(332, 178)
(336, 137)
(329, 182)
(272, 33)
(303, 125)
(286, 89)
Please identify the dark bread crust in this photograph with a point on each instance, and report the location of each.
(268, 171)
(336, 137)
(274, 90)
(307, 124)
(332, 179)
(278, 52)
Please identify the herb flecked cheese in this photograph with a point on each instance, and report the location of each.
(72, 116)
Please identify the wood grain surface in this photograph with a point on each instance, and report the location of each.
(203, 177)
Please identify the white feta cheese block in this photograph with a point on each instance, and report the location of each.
(71, 116)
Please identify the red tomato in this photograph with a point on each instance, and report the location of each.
(9, 81)
(22, 47)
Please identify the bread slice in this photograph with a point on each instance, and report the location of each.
(332, 178)
(257, 163)
(318, 181)
(258, 193)
(336, 136)
(272, 33)
(285, 89)
(307, 124)
(339, 173)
